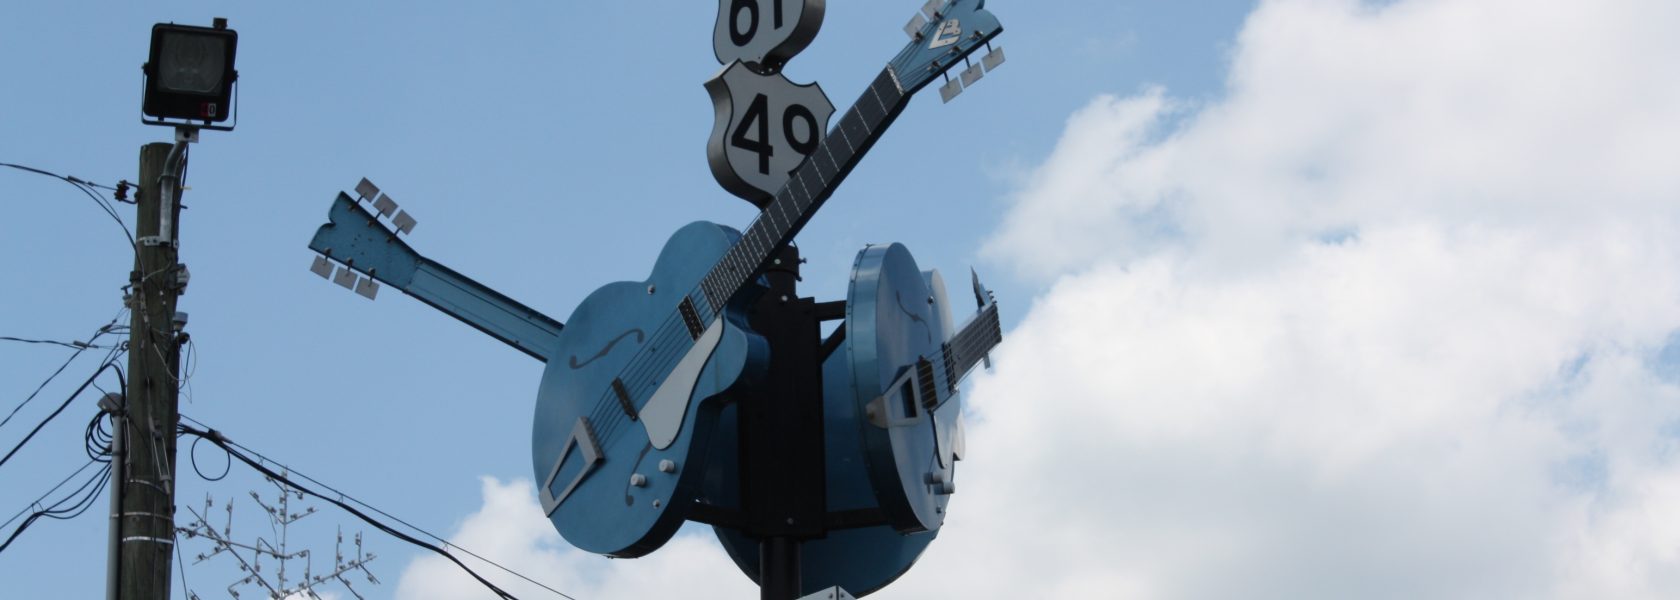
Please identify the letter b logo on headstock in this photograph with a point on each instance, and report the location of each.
(765, 34)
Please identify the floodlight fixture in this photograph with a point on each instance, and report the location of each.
(189, 76)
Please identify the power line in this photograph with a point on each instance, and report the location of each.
(107, 328)
(217, 439)
(73, 344)
(110, 362)
(49, 492)
(70, 507)
(86, 187)
(101, 454)
(234, 449)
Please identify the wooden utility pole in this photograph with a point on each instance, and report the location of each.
(147, 479)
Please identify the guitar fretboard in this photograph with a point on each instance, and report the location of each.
(806, 189)
(971, 344)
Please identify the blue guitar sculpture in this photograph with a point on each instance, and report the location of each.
(355, 238)
(898, 316)
(633, 387)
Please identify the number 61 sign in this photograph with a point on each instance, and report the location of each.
(765, 33)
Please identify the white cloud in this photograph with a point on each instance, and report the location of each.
(1388, 320)
(1382, 322)
(511, 530)
(1341, 115)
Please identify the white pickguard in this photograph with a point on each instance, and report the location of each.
(663, 413)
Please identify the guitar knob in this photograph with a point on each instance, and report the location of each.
(666, 466)
(941, 485)
(638, 480)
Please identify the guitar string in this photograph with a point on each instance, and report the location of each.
(967, 342)
(604, 413)
(809, 200)
(715, 307)
(612, 422)
(640, 364)
(632, 378)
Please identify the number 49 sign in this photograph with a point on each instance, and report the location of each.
(766, 125)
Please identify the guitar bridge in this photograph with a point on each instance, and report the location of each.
(623, 395)
(924, 378)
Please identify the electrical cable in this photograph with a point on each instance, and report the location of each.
(43, 497)
(189, 364)
(109, 327)
(387, 515)
(84, 187)
(216, 438)
(74, 345)
(235, 450)
(192, 454)
(109, 363)
(83, 498)
(38, 388)
(97, 440)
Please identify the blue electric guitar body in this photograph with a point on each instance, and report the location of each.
(609, 470)
(898, 316)
(635, 382)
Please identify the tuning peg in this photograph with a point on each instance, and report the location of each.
(322, 267)
(368, 288)
(346, 278)
(404, 222)
(385, 205)
(950, 90)
(931, 8)
(971, 75)
(914, 27)
(366, 190)
(993, 58)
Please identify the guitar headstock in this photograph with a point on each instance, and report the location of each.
(357, 241)
(942, 36)
(982, 296)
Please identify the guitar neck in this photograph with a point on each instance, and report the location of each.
(355, 238)
(976, 339)
(808, 187)
(487, 310)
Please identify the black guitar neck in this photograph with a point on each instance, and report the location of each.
(810, 185)
(971, 344)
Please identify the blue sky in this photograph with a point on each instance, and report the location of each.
(545, 149)
(1334, 298)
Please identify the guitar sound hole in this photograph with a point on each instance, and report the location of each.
(907, 396)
